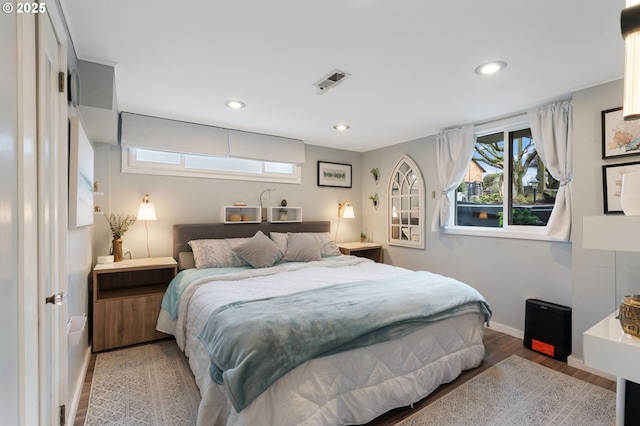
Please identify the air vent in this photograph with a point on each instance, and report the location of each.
(330, 81)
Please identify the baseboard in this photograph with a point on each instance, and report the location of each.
(572, 361)
(72, 405)
(507, 330)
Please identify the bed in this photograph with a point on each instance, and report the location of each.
(374, 347)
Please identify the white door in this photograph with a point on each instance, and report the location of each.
(52, 218)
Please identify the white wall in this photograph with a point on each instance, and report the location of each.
(9, 303)
(199, 200)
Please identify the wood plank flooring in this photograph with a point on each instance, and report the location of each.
(498, 346)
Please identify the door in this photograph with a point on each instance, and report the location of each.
(52, 217)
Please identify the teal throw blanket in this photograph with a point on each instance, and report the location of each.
(254, 343)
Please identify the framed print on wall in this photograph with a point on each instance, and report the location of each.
(80, 176)
(334, 174)
(619, 137)
(612, 184)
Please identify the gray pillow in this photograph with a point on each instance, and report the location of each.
(302, 247)
(259, 251)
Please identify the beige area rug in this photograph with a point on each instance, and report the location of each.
(143, 385)
(520, 392)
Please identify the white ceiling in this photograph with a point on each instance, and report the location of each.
(411, 61)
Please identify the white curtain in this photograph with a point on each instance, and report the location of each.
(453, 153)
(552, 131)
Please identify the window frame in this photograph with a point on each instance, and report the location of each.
(527, 232)
(131, 165)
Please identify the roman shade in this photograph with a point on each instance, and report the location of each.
(141, 131)
(255, 146)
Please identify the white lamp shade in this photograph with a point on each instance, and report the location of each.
(630, 194)
(348, 212)
(146, 212)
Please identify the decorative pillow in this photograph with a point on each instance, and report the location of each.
(185, 260)
(259, 251)
(280, 238)
(302, 247)
(217, 253)
(327, 246)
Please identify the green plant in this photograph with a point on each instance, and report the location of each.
(374, 199)
(521, 216)
(376, 174)
(120, 224)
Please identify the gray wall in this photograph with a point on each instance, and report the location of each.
(9, 303)
(508, 271)
(596, 273)
(505, 271)
(199, 200)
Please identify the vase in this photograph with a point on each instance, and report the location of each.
(117, 249)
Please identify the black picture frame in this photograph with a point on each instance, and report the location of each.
(612, 184)
(334, 174)
(620, 138)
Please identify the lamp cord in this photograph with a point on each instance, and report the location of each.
(146, 227)
(337, 227)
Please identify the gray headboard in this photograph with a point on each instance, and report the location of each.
(183, 233)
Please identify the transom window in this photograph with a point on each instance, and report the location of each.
(145, 161)
(507, 186)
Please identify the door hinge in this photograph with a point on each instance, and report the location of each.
(62, 415)
(61, 82)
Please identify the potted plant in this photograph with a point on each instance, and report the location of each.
(119, 224)
(376, 174)
(374, 200)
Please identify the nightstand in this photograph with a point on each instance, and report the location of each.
(126, 300)
(369, 250)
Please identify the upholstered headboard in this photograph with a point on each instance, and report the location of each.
(183, 233)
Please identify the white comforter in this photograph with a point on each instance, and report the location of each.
(347, 388)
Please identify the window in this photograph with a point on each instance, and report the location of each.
(145, 161)
(507, 186)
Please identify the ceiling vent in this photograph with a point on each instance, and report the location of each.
(330, 81)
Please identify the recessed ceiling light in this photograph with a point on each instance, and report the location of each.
(235, 104)
(341, 127)
(490, 67)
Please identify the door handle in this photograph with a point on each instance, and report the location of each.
(56, 299)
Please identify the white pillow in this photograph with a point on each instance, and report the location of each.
(217, 253)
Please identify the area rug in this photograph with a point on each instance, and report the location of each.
(520, 392)
(143, 385)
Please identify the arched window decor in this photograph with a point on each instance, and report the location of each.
(406, 205)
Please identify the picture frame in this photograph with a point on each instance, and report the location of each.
(80, 176)
(612, 184)
(334, 174)
(619, 137)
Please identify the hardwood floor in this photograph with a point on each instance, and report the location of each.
(498, 346)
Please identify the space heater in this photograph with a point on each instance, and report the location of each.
(547, 328)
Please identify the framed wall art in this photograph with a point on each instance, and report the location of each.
(619, 137)
(334, 174)
(80, 176)
(612, 184)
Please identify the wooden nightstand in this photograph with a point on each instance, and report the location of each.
(369, 250)
(126, 300)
